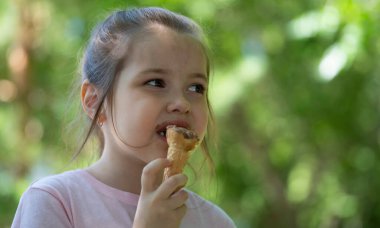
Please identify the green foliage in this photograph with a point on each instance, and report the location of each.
(295, 91)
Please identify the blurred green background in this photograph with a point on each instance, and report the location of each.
(295, 88)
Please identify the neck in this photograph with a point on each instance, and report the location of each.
(121, 172)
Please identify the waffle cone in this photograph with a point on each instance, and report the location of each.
(181, 142)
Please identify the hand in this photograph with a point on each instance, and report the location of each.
(159, 205)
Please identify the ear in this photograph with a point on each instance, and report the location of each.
(90, 97)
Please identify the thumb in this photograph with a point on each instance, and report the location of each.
(152, 174)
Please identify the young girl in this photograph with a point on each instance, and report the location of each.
(143, 69)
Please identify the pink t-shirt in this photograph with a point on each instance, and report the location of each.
(77, 199)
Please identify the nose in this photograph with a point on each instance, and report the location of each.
(179, 104)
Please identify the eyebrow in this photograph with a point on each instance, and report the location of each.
(154, 70)
(164, 71)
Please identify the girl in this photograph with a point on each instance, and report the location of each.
(143, 69)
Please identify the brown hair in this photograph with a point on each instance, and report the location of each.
(103, 58)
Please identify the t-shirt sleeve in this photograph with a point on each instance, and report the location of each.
(39, 208)
(204, 213)
(226, 221)
(219, 218)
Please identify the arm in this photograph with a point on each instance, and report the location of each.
(39, 208)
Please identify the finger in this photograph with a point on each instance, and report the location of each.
(178, 199)
(181, 211)
(150, 177)
(171, 185)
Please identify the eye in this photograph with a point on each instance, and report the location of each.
(156, 83)
(197, 88)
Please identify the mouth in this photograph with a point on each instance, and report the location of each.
(161, 128)
(162, 133)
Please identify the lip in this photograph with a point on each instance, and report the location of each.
(179, 123)
(162, 126)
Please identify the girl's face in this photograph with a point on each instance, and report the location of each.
(162, 83)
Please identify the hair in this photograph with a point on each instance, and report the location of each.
(106, 54)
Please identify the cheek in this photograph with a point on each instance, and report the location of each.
(134, 121)
(202, 121)
(141, 115)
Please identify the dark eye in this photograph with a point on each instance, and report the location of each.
(156, 83)
(197, 88)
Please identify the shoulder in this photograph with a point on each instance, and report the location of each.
(49, 196)
(59, 183)
(207, 212)
(60, 188)
(68, 177)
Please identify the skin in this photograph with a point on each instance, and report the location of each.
(163, 82)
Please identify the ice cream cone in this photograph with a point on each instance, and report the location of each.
(181, 142)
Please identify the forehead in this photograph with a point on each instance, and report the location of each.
(163, 47)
